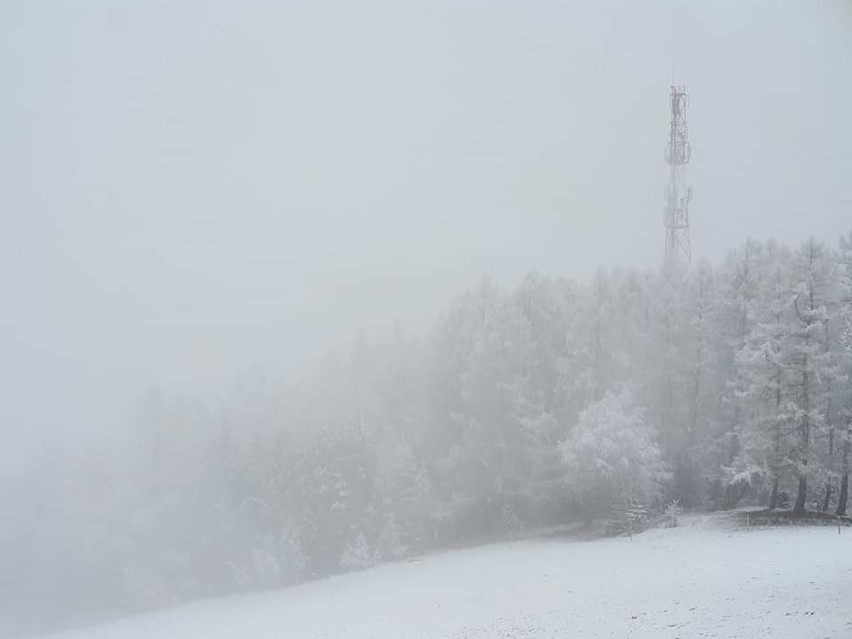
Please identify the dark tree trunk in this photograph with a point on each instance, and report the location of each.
(776, 452)
(844, 481)
(844, 495)
(827, 499)
(773, 497)
(801, 495)
(776, 437)
(804, 443)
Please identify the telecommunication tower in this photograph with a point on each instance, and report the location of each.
(677, 193)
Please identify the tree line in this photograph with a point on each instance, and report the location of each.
(550, 402)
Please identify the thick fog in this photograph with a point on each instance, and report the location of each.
(192, 188)
(197, 194)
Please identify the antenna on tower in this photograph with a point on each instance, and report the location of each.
(677, 194)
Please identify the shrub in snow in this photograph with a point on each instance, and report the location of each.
(511, 521)
(628, 519)
(671, 513)
(290, 558)
(391, 540)
(142, 588)
(241, 575)
(357, 554)
(264, 562)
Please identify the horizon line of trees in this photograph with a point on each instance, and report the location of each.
(551, 402)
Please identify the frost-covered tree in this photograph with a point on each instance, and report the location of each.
(611, 456)
(807, 357)
(844, 362)
(761, 383)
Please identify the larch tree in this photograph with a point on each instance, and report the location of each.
(807, 357)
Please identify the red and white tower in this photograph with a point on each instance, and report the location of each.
(678, 194)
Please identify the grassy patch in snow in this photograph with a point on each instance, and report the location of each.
(775, 518)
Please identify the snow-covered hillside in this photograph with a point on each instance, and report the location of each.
(699, 580)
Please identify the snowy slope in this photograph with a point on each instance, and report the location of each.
(694, 581)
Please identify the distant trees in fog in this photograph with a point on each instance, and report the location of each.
(552, 402)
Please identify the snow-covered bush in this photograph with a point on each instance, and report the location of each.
(611, 456)
(264, 564)
(511, 522)
(391, 540)
(142, 588)
(628, 519)
(671, 513)
(291, 560)
(357, 554)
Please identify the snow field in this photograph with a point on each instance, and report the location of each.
(693, 581)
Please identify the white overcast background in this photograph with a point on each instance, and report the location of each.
(189, 189)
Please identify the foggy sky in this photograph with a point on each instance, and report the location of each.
(191, 188)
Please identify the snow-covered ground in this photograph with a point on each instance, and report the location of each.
(699, 580)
